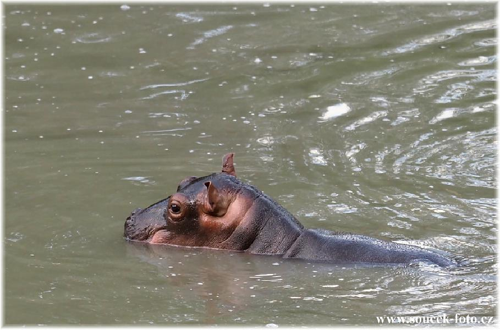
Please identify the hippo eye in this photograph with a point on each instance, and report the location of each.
(175, 208)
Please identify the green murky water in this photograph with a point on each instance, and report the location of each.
(377, 119)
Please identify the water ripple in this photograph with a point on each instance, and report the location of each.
(440, 159)
(188, 18)
(366, 120)
(183, 94)
(167, 132)
(481, 60)
(93, 38)
(173, 84)
(443, 36)
(432, 81)
(210, 34)
(455, 112)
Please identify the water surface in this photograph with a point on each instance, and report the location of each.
(377, 119)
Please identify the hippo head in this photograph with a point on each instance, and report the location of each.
(204, 212)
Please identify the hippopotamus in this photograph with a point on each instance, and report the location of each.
(219, 211)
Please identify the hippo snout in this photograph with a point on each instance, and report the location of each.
(130, 218)
(130, 227)
(129, 224)
(142, 224)
(134, 212)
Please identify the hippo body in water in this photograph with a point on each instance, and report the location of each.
(219, 211)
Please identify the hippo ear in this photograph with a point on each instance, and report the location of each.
(216, 202)
(227, 164)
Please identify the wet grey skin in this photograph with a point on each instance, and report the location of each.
(220, 211)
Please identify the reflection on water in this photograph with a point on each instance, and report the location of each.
(260, 284)
(375, 119)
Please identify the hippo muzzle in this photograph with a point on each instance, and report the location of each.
(143, 224)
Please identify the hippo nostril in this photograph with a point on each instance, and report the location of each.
(134, 212)
(137, 210)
